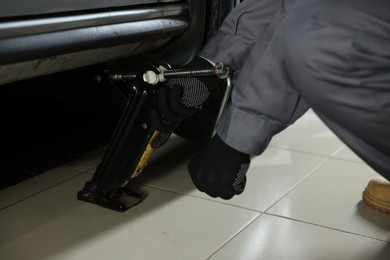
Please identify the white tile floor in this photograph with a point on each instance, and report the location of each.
(302, 201)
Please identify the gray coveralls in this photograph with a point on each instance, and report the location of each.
(289, 55)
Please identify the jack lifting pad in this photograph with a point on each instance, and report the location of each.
(120, 200)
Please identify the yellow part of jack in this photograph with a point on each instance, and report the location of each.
(145, 156)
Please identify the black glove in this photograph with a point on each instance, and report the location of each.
(178, 99)
(219, 170)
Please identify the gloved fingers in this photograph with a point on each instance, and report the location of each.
(239, 184)
(227, 196)
(209, 187)
(215, 190)
(219, 170)
(164, 106)
(175, 102)
(195, 181)
(170, 106)
(216, 193)
(158, 124)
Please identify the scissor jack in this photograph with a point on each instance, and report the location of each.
(130, 146)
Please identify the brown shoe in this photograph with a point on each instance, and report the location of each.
(377, 194)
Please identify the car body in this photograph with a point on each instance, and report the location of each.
(45, 36)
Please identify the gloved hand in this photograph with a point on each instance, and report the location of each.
(219, 170)
(178, 99)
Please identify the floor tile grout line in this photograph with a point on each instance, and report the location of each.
(305, 152)
(326, 227)
(41, 191)
(298, 184)
(333, 156)
(233, 236)
(348, 160)
(77, 169)
(197, 197)
(337, 151)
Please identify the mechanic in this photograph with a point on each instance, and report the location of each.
(288, 56)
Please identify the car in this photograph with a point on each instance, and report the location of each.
(47, 37)
(57, 101)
